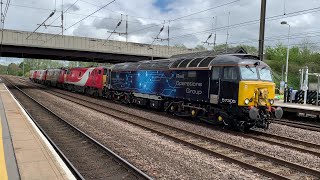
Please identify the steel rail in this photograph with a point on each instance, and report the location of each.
(256, 135)
(301, 125)
(234, 147)
(127, 165)
(309, 148)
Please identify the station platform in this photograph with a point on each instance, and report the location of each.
(24, 151)
(298, 108)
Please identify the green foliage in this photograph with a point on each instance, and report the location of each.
(220, 47)
(32, 64)
(72, 64)
(200, 48)
(29, 64)
(298, 57)
(250, 49)
(3, 69)
(13, 69)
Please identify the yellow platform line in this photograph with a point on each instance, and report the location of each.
(3, 167)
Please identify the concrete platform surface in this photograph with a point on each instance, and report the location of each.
(31, 156)
(298, 106)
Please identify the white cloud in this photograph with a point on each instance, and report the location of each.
(97, 26)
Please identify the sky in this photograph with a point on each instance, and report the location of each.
(190, 22)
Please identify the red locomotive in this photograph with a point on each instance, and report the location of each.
(86, 80)
(91, 81)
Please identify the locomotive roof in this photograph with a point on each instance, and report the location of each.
(196, 62)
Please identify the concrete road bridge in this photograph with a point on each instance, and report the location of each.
(24, 44)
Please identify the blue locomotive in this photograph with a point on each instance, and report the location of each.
(232, 89)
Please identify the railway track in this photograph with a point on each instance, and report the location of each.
(261, 163)
(301, 125)
(85, 157)
(302, 146)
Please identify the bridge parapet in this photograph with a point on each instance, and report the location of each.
(44, 40)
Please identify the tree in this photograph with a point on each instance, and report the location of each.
(200, 48)
(32, 64)
(72, 64)
(250, 49)
(13, 69)
(221, 47)
(299, 56)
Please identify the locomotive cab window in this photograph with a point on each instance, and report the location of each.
(248, 72)
(265, 73)
(105, 71)
(230, 73)
(99, 72)
(215, 73)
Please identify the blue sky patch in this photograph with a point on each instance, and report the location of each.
(163, 5)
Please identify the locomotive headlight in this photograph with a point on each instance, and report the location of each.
(271, 101)
(247, 101)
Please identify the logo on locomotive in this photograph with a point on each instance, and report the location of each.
(230, 101)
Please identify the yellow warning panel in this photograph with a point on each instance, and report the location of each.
(3, 167)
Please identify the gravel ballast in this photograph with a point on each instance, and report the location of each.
(157, 156)
(307, 160)
(167, 159)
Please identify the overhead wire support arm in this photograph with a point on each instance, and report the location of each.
(206, 41)
(48, 25)
(80, 20)
(114, 31)
(41, 24)
(62, 18)
(157, 37)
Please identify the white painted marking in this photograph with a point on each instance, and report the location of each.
(44, 139)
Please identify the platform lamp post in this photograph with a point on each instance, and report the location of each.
(287, 62)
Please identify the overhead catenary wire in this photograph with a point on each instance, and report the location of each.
(140, 17)
(210, 35)
(62, 18)
(114, 30)
(231, 26)
(250, 22)
(276, 38)
(157, 37)
(79, 21)
(51, 14)
(182, 17)
(227, 32)
(65, 11)
(79, 14)
(1, 12)
(215, 7)
(6, 10)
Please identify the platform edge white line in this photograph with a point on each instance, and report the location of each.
(44, 139)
